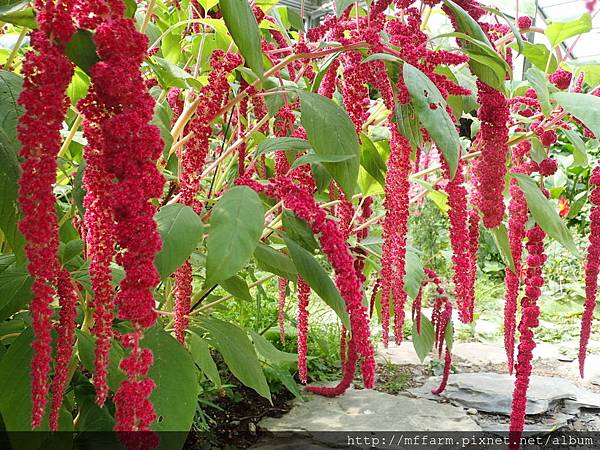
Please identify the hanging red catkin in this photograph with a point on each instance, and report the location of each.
(303, 297)
(183, 296)
(461, 258)
(47, 73)
(395, 227)
(592, 268)
(491, 165)
(517, 218)
(530, 313)
(135, 145)
(473, 253)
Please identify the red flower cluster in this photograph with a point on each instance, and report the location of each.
(395, 227)
(282, 287)
(47, 73)
(183, 296)
(461, 253)
(592, 267)
(561, 79)
(303, 297)
(524, 22)
(491, 166)
(530, 313)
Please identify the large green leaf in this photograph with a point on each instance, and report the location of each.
(431, 108)
(500, 236)
(243, 28)
(15, 291)
(281, 143)
(91, 416)
(371, 160)
(202, 357)
(15, 398)
(269, 352)
(318, 279)
(271, 260)
(81, 49)
(299, 231)
(538, 80)
(580, 157)
(180, 229)
(538, 55)
(558, 32)
(237, 287)
(544, 213)
(331, 133)
(235, 228)
(11, 6)
(423, 343)
(238, 353)
(176, 393)
(341, 6)
(86, 346)
(585, 107)
(414, 274)
(10, 111)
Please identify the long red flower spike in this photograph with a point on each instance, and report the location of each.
(334, 246)
(592, 267)
(461, 257)
(473, 254)
(282, 287)
(124, 110)
(530, 313)
(183, 295)
(303, 297)
(47, 73)
(395, 227)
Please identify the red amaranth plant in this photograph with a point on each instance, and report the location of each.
(282, 287)
(47, 74)
(395, 227)
(592, 267)
(183, 295)
(126, 108)
(530, 313)
(303, 297)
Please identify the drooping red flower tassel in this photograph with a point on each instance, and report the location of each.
(491, 165)
(47, 74)
(303, 297)
(530, 313)
(461, 258)
(592, 268)
(64, 343)
(395, 227)
(183, 296)
(473, 254)
(135, 145)
(445, 374)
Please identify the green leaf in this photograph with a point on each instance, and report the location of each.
(383, 57)
(558, 32)
(237, 287)
(331, 133)
(409, 126)
(10, 112)
(23, 18)
(371, 160)
(341, 6)
(236, 225)
(538, 55)
(318, 279)
(15, 398)
(169, 74)
(312, 158)
(281, 143)
(269, 352)
(431, 108)
(202, 357)
(299, 231)
(511, 23)
(92, 417)
(162, 119)
(11, 6)
(413, 279)
(538, 80)
(500, 236)
(423, 343)
(238, 353)
(81, 49)
(180, 230)
(585, 107)
(173, 371)
(449, 335)
(270, 260)
(15, 291)
(544, 213)
(243, 28)
(580, 157)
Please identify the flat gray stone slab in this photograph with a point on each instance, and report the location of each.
(399, 354)
(369, 410)
(492, 393)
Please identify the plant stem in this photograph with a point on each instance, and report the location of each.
(15, 49)
(65, 145)
(148, 16)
